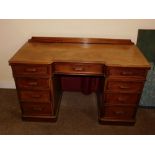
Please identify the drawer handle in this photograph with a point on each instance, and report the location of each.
(35, 96)
(78, 68)
(31, 70)
(32, 83)
(120, 99)
(124, 87)
(126, 73)
(37, 108)
(119, 112)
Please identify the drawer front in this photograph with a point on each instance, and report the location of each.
(34, 96)
(127, 71)
(123, 86)
(29, 108)
(78, 68)
(119, 112)
(31, 70)
(33, 83)
(121, 98)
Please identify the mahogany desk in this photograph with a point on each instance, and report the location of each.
(39, 64)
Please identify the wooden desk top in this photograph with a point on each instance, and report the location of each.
(126, 55)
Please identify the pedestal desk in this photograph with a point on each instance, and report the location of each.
(38, 65)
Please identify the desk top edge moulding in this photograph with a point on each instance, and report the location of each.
(39, 64)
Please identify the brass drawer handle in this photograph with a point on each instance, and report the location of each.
(37, 108)
(119, 112)
(78, 68)
(30, 69)
(126, 73)
(120, 99)
(32, 83)
(124, 87)
(35, 96)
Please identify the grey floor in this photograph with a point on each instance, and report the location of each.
(77, 115)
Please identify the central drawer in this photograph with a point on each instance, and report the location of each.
(34, 96)
(78, 68)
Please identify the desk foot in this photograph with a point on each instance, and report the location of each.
(104, 121)
(40, 118)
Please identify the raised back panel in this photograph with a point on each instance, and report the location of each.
(81, 40)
